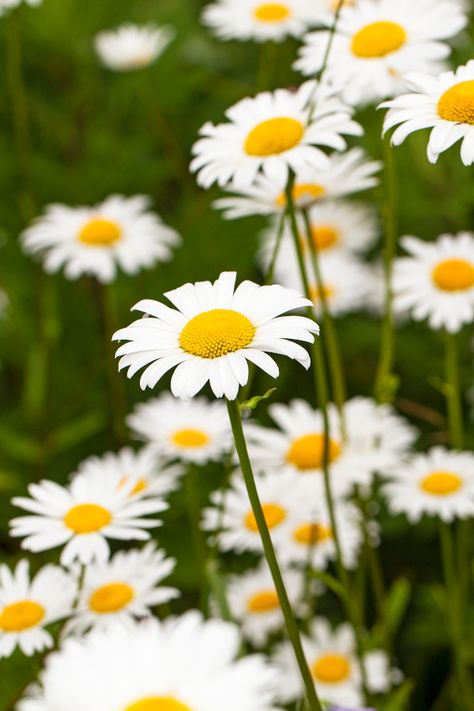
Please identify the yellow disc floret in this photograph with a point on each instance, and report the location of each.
(441, 483)
(378, 39)
(100, 232)
(158, 703)
(331, 669)
(215, 333)
(189, 438)
(274, 515)
(454, 275)
(111, 598)
(457, 103)
(22, 615)
(310, 533)
(271, 12)
(306, 452)
(264, 601)
(274, 136)
(87, 518)
(303, 194)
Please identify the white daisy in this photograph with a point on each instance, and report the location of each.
(344, 174)
(212, 334)
(192, 431)
(9, 4)
(376, 438)
(273, 133)
(314, 534)
(123, 588)
(331, 656)
(28, 605)
(182, 664)
(436, 282)
(142, 471)
(260, 20)
(378, 41)
(132, 47)
(83, 516)
(254, 603)
(439, 483)
(444, 103)
(284, 500)
(120, 232)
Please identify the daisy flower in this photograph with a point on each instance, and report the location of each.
(273, 133)
(132, 47)
(181, 664)
(259, 20)
(120, 232)
(122, 588)
(439, 483)
(28, 605)
(378, 41)
(254, 603)
(315, 532)
(141, 471)
(212, 333)
(376, 438)
(344, 174)
(82, 516)
(444, 104)
(191, 431)
(9, 4)
(331, 656)
(436, 282)
(284, 500)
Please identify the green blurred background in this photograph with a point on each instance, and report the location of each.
(73, 132)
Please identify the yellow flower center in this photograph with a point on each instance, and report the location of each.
(215, 333)
(158, 703)
(457, 103)
(271, 12)
(309, 533)
(334, 4)
(87, 518)
(441, 483)
(21, 616)
(306, 452)
(454, 275)
(100, 233)
(111, 598)
(140, 486)
(378, 39)
(274, 515)
(264, 601)
(303, 194)
(331, 669)
(316, 293)
(189, 438)
(324, 236)
(273, 136)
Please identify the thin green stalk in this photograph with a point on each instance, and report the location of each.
(216, 579)
(385, 380)
(290, 622)
(197, 535)
(453, 391)
(320, 382)
(267, 63)
(327, 53)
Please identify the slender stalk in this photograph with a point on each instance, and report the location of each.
(453, 392)
(267, 62)
(327, 53)
(320, 381)
(385, 381)
(198, 539)
(290, 622)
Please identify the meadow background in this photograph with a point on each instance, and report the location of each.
(73, 132)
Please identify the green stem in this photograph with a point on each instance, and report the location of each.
(198, 538)
(385, 381)
(291, 626)
(453, 391)
(267, 63)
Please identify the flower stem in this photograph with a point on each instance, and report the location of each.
(453, 391)
(385, 381)
(291, 626)
(199, 543)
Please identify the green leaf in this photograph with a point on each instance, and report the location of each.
(330, 583)
(76, 431)
(399, 699)
(254, 401)
(397, 603)
(19, 446)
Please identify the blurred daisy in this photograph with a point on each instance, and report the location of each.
(436, 282)
(181, 664)
(28, 605)
(123, 588)
(261, 21)
(331, 656)
(273, 133)
(213, 332)
(376, 438)
(193, 431)
(378, 41)
(284, 500)
(439, 483)
(444, 103)
(9, 4)
(120, 232)
(131, 46)
(142, 472)
(254, 603)
(83, 516)
(344, 174)
(314, 534)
